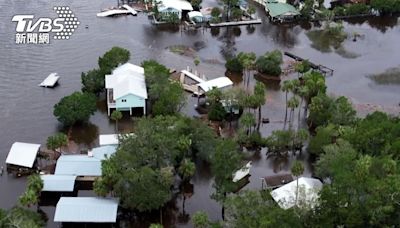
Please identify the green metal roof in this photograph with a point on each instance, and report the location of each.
(278, 8)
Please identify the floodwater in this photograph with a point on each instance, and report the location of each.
(26, 109)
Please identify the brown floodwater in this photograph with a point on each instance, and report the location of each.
(27, 110)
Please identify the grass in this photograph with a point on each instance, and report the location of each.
(390, 76)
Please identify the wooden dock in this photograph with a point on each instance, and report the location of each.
(321, 68)
(235, 23)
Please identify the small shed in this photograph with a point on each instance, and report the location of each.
(86, 210)
(58, 183)
(219, 83)
(307, 195)
(175, 6)
(22, 154)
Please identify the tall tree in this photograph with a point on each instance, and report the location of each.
(225, 162)
(259, 93)
(116, 115)
(247, 60)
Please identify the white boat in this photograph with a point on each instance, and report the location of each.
(50, 81)
(242, 173)
(124, 9)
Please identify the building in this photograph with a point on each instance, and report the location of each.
(86, 210)
(126, 89)
(22, 154)
(306, 191)
(281, 12)
(178, 7)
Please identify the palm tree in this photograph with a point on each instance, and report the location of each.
(297, 170)
(293, 103)
(247, 60)
(116, 115)
(247, 120)
(259, 93)
(286, 87)
(303, 92)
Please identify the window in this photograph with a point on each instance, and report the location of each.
(123, 100)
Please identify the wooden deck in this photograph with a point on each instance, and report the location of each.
(235, 23)
(321, 68)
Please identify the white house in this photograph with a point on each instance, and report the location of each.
(126, 88)
(174, 6)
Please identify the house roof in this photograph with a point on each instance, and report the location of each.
(127, 79)
(78, 165)
(103, 152)
(86, 209)
(281, 9)
(175, 4)
(110, 139)
(23, 154)
(58, 183)
(219, 83)
(285, 195)
(195, 14)
(243, 172)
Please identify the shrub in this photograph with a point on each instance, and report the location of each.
(357, 9)
(216, 112)
(269, 63)
(234, 65)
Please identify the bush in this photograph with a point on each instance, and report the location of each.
(339, 11)
(92, 81)
(234, 65)
(386, 6)
(215, 12)
(269, 63)
(216, 112)
(357, 9)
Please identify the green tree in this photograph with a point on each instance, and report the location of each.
(196, 4)
(269, 63)
(77, 107)
(113, 58)
(255, 209)
(259, 93)
(93, 81)
(323, 137)
(116, 115)
(234, 65)
(229, 5)
(166, 97)
(279, 143)
(200, 220)
(147, 160)
(247, 60)
(155, 225)
(21, 217)
(57, 141)
(225, 163)
(32, 192)
(186, 169)
(236, 14)
(297, 171)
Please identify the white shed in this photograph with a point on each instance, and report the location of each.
(23, 154)
(307, 195)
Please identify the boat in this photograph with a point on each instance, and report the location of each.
(50, 81)
(124, 9)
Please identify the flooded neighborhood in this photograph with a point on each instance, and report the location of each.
(152, 148)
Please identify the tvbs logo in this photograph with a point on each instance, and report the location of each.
(30, 30)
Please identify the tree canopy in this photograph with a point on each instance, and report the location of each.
(77, 107)
(113, 58)
(160, 147)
